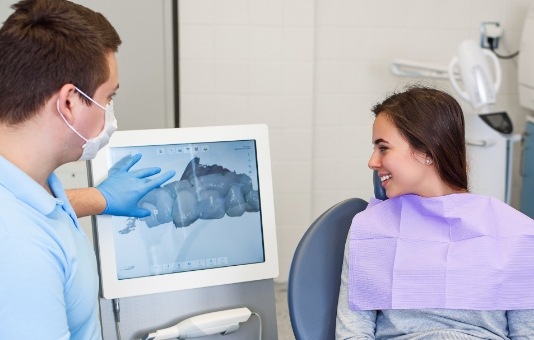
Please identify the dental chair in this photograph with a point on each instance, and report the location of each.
(315, 273)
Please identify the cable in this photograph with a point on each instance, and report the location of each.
(511, 56)
(117, 313)
(259, 318)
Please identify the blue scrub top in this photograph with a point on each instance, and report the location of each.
(49, 278)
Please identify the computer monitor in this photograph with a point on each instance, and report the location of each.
(213, 223)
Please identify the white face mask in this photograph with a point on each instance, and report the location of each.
(93, 145)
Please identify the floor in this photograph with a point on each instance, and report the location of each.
(282, 313)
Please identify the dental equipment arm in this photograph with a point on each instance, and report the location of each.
(408, 68)
(223, 322)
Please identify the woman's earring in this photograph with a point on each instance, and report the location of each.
(428, 161)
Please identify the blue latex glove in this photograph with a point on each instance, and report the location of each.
(122, 189)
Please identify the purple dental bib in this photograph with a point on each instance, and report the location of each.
(460, 251)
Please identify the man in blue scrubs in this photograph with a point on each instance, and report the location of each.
(58, 75)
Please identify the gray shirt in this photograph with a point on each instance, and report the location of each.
(428, 323)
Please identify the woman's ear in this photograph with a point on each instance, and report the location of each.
(421, 157)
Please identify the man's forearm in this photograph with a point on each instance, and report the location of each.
(86, 201)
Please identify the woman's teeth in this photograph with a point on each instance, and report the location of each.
(383, 178)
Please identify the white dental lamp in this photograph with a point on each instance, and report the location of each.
(488, 134)
(480, 90)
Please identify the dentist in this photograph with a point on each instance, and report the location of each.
(58, 77)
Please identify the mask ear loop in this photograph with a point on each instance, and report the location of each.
(68, 124)
(91, 99)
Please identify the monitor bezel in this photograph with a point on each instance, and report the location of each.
(112, 287)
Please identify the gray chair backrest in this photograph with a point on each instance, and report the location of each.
(315, 273)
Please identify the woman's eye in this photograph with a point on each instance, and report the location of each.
(382, 148)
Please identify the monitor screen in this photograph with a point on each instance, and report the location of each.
(211, 224)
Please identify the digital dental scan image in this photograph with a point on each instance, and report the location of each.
(208, 217)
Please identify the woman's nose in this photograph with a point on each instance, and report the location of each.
(374, 162)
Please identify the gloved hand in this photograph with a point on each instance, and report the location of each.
(122, 189)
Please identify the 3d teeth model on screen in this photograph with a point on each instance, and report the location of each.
(203, 192)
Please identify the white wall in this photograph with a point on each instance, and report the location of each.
(253, 62)
(311, 70)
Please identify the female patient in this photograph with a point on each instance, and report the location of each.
(433, 261)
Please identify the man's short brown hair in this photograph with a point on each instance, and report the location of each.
(45, 44)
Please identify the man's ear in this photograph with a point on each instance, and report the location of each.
(66, 102)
